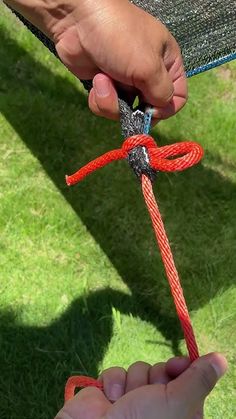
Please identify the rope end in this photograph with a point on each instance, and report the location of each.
(68, 181)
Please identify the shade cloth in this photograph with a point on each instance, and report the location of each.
(205, 30)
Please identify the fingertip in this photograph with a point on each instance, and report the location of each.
(114, 382)
(103, 98)
(199, 379)
(137, 375)
(174, 106)
(175, 366)
(218, 362)
(158, 374)
(165, 112)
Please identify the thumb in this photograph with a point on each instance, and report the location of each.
(89, 403)
(194, 385)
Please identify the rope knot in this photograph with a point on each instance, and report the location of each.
(164, 158)
(136, 151)
(145, 157)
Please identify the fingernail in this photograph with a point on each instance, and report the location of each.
(102, 86)
(220, 367)
(116, 392)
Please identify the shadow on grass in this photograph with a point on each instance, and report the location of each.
(51, 117)
(74, 344)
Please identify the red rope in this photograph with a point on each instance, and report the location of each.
(190, 152)
(161, 159)
(79, 381)
(171, 271)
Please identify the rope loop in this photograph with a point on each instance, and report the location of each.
(79, 381)
(163, 158)
(160, 158)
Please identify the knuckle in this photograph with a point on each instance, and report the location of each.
(69, 51)
(169, 95)
(104, 111)
(111, 113)
(175, 45)
(107, 115)
(144, 74)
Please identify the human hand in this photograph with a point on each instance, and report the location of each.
(172, 390)
(116, 44)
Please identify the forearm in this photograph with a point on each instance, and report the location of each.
(44, 14)
(52, 17)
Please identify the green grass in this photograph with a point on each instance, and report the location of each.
(82, 284)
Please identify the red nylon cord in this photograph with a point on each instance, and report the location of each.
(190, 153)
(80, 381)
(94, 165)
(171, 271)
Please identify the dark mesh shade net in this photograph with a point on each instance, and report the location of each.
(205, 30)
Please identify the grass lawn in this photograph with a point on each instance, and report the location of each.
(82, 284)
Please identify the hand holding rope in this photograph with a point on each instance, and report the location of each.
(146, 158)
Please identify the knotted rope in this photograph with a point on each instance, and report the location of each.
(146, 158)
(159, 158)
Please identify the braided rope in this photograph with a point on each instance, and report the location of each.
(170, 268)
(159, 157)
(80, 381)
